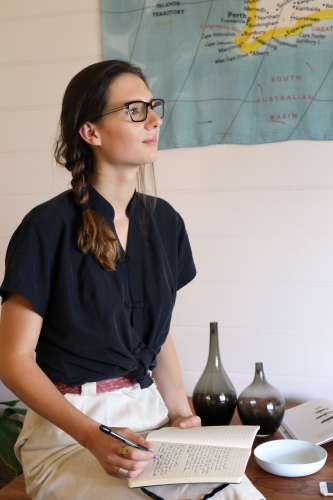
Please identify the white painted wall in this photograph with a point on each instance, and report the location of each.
(260, 218)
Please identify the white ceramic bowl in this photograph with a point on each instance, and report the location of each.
(290, 457)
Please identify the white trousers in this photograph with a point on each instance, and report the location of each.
(56, 467)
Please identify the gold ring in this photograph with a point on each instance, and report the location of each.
(122, 472)
(123, 450)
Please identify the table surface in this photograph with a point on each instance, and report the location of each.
(272, 487)
(291, 488)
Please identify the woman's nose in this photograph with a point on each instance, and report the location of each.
(153, 119)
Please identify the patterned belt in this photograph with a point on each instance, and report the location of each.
(110, 385)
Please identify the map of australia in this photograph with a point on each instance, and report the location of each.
(230, 71)
(266, 22)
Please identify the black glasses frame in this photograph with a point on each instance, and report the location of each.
(152, 104)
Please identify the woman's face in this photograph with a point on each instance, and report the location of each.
(123, 142)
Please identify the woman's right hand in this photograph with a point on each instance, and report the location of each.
(119, 460)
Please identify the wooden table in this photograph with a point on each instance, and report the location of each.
(15, 490)
(272, 487)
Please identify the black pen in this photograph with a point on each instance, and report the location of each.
(118, 436)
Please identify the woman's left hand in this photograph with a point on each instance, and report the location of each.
(186, 422)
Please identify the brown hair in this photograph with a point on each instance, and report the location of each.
(85, 100)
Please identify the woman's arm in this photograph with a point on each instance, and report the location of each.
(169, 382)
(20, 327)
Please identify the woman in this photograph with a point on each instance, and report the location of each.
(90, 284)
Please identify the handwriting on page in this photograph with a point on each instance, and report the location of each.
(179, 460)
(206, 461)
(170, 459)
(190, 460)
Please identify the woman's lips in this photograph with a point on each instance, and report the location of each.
(151, 141)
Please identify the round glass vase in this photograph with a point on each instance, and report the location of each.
(214, 396)
(261, 404)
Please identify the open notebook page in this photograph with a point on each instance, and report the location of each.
(228, 435)
(193, 463)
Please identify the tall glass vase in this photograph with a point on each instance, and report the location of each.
(261, 404)
(214, 396)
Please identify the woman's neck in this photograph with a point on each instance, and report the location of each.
(118, 190)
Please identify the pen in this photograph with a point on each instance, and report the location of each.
(118, 436)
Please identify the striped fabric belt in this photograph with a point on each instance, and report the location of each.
(110, 385)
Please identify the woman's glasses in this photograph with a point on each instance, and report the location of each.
(138, 110)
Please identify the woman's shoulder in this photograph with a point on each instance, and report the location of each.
(52, 211)
(49, 220)
(166, 218)
(162, 208)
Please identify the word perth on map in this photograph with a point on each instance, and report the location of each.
(230, 71)
(266, 23)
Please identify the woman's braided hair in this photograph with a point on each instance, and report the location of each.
(85, 100)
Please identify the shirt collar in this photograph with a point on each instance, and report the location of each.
(100, 205)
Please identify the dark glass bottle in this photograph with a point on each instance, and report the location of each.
(214, 396)
(261, 404)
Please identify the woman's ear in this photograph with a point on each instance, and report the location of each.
(89, 134)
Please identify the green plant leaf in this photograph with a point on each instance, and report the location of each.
(21, 411)
(9, 432)
(7, 413)
(10, 403)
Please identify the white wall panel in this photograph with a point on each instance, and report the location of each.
(273, 258)
(280, 166)
(255, 212)
(30, 173)
(49, 37)
(21, 8)
(38, 84)
(241, 348)
(18, 175)
(28, 129)
(256, 306)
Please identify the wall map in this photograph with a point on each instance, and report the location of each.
(230, 71)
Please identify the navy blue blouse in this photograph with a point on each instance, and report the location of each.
(98, 324)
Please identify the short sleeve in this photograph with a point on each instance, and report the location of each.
(27, 265)
(186, 266)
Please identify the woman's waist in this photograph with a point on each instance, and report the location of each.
(108, 385)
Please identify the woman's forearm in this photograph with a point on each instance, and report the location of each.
(169, 382)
